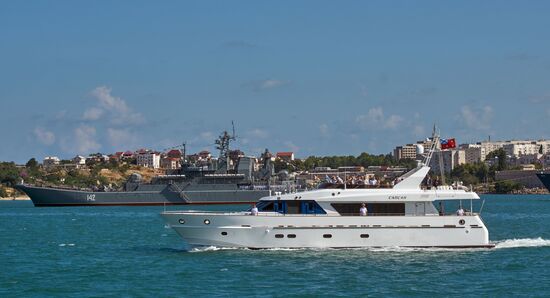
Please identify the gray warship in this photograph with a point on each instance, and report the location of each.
(231, 181)
(545, 179)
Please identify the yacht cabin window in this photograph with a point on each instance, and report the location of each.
(291, 207)
(373, 209)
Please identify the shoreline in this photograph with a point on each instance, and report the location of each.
(19, 198)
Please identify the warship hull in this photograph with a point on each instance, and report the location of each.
(54, 197)
(545, 179)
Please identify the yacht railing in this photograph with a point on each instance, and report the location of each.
(270, 214)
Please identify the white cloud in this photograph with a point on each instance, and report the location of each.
(257, 133)
(121, 137)
(476, 119)
(85, 140)
(45, 137)
(291, 146)
(324, 130)
(376, 120)
(393, 121)
(419, 131)
(92, 113)
(120, 112)
(266, 84)
(364, 90)
(207, 136)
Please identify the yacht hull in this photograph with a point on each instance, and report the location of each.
(323, 232)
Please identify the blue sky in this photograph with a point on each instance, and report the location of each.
(312, 77)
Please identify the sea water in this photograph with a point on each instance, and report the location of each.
(128, 251)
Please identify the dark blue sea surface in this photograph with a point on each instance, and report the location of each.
(128, 251)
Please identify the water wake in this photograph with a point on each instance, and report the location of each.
(524, 242)
(508, 243)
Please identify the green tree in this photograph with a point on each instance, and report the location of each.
(507, 187)
(9, 173)
(500, 155)
(32, 163)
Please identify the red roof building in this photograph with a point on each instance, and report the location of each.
(287, 156)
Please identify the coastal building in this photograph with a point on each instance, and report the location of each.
(405, 152)
(518, 148)
(148, 159)
(472, 152)
(204, 155)
(170, 163)
(51, 161)
(79, 161)
(127, 155)
(285, 156)
(174, 153)
(488, 147)
(526, 159)
(450, 160)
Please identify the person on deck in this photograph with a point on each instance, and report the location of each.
(363, 210)
(254, 210)
(460, 211)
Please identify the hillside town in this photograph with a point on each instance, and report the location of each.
(512, 163)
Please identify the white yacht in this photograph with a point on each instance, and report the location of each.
(403, 215)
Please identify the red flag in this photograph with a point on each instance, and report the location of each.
(448, 143)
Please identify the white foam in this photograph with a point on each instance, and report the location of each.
(524, 242)
(66, 244)
(508, 243)
(212, 248)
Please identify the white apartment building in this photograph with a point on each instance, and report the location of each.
(519, 148)
(488, 147)
(79, 161)
(148, 159)
(451, 159)
(50, 161)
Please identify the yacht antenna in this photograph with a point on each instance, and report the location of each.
(433, 146)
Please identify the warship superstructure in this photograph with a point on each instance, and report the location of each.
(232, 180)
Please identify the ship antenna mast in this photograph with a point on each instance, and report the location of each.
(222, 144)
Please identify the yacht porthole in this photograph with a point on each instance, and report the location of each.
(291, 235)
(181, 221)
(224, 233)
(333, 194)
(462, 221)
(279, 236)
(327, 236)
(365, 235)
(206, 221)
